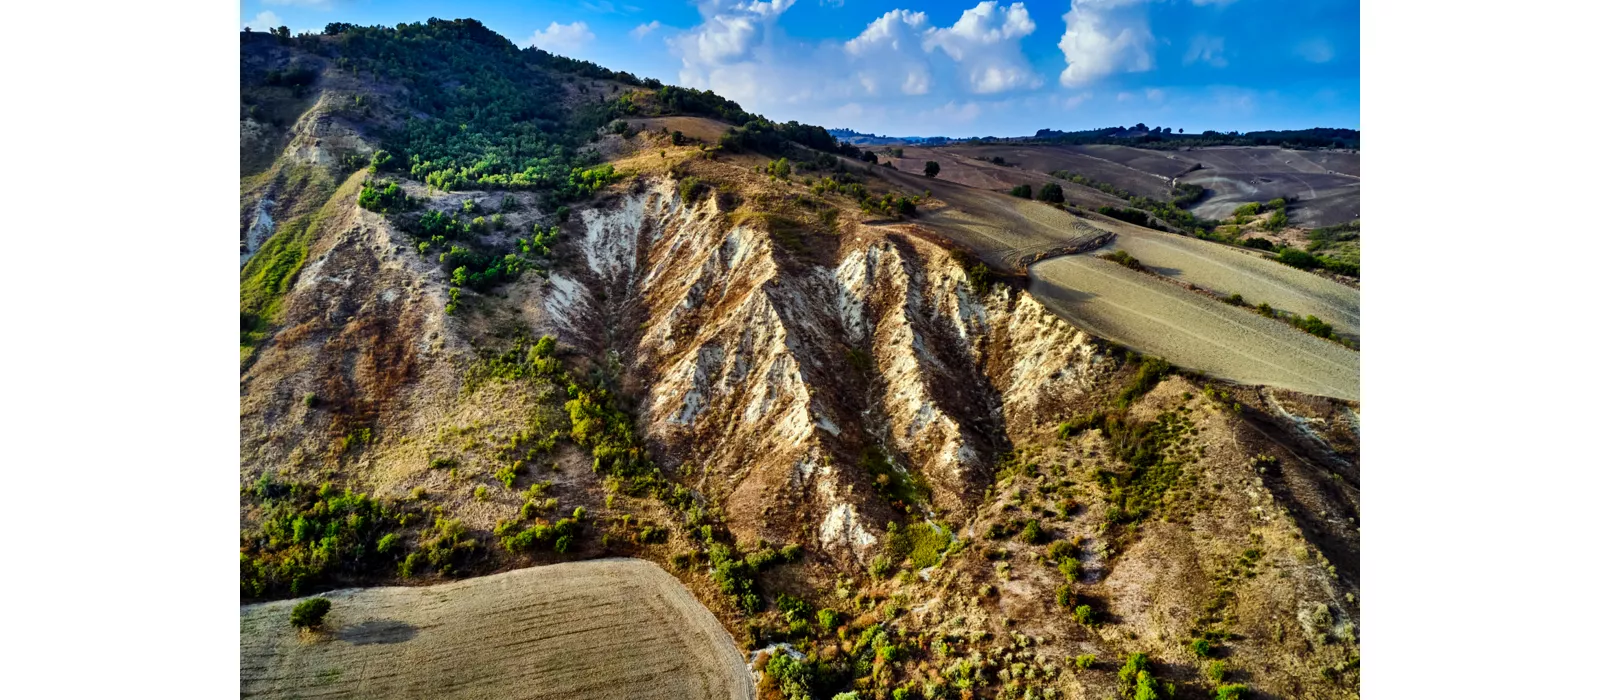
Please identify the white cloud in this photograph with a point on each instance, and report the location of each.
(740, 50)
(958, 113)
(1315, 50)
(1206, 49)
(885, 55)
(1105, 37)
(1155, 95)
(644, 30)
(562, 38)
(986, 42)
(264, 21)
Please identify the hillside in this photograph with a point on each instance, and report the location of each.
(501, 309)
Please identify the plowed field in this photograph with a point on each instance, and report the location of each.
(610, 628)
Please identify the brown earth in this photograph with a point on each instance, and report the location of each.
(607, 628)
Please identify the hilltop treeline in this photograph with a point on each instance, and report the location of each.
(485, 114)
(1163, 137)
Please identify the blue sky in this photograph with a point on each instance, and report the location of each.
(967, 68)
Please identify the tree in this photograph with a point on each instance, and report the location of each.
(1051, 192)
(308, 613)
(1023, 191)
(931, 169)
(1180, 130)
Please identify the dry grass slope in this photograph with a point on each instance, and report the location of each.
(609, 628)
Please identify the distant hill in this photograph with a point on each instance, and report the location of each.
(1163, 137)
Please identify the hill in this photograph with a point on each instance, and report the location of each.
(503, 310)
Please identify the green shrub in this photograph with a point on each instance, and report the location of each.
(1052, 193)
(1294, 257)
(309, 613)
(1258, 243)
(930, 169)
(1023, 191)
(1032, 533)
(829, 619)
(1071, 569)
(1122, 258)
(1084, 661)
(1201, 647)
(1247, 210)
(1232, 691)
(1216, 671)
(1065, 596)
(1278, 220)
(1083, 614)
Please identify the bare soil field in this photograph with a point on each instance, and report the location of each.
(1326, 183)
(1227, 270)
(1190, 330)
(965, 170)
(1168, 164)
(1329, 192)
(1048, 159)
(608, 628)
(1005, 231)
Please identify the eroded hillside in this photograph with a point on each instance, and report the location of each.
(872, 461)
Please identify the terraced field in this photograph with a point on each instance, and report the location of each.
(610, 628)
(1190, 330)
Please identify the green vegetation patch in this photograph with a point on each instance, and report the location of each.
(309, 534)
(922, 543)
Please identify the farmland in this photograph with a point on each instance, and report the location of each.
(1326, 185)
(610, 628)
(1148, 313)
(1191, 330)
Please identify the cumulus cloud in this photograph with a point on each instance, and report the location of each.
(740, 51)
(986, 43)
(562, 38)
(1315, 50)
(886, 55)
(264, 21)
(1105, 37)
(1207, 49)
(644, 30)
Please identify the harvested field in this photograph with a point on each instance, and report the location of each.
(1167, 164)
(1048, 159)
(1190, 330)
(1327, 184)
(707, 130)
(1228, 270)
(984, 175)
(609, 628)
(1006, 232)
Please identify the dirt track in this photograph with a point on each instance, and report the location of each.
(1191, 330)
(610, 628)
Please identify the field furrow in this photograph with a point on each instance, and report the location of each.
(1190, 330)
(611, 628)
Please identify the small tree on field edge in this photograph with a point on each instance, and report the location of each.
(931, 169)
(308, 613)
